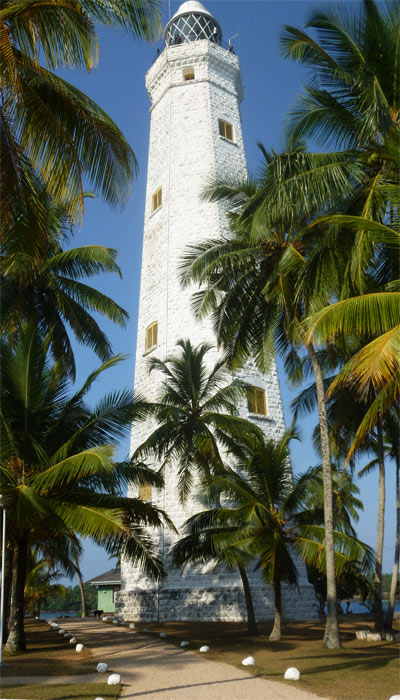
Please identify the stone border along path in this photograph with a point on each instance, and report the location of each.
(152, 669)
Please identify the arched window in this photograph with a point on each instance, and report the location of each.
(256, 401)
(145, 492)
(225, 129)
(151, 336)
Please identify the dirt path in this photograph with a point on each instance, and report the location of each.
(152, 669)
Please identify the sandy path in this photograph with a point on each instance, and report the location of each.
(152, 669)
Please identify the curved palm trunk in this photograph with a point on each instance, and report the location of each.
(276, 634)
(395, 573)
(251, 618)
(332, 633)
(379, 625)
(16, 637)
(81, 588)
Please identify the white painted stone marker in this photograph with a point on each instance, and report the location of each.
(361, 634)
(132, 625)
(101, 668)
(79, 647)
(61, 631)
(374, 637)
(249, 661)
(98, 698)
(395, 697)
(73, 640)
(114, 679)
(204, 649)
(292, 674)
(184, 644)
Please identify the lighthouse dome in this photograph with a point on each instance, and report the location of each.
(192, 22)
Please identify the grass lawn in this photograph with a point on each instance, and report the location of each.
(357, 671)
(48, 654)
(86, 691)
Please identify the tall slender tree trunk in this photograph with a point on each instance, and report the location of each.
(276, 634)
(379, 625)
(8, 575)
(16, 637)
(81, 588)
(251, 618)
(332, 633)
(395, 573)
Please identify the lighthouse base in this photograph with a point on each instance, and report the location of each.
(213, 604)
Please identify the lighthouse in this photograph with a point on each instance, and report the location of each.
(195, 91)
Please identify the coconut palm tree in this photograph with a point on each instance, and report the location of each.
(41, 281)
(351, 102)
(199, 545)
(275, 520)
(40, 583)
(196, 411)
(48, 124)
(253, 283)
(58, 469)
(351, 98)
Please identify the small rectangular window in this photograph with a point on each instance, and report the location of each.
(156, 199)
(151, 336)
(188, 73)
(145, 492)
(225, 129)
(256, 401)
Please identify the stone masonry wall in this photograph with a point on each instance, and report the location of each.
(185, 151)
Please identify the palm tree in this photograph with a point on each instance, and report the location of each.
(351, 99)
(346, 412)
(47, 123)
(42, 282)
(196, 414)
(276, 521)
(58, 468)
(199, 544)
(351, 102)
(39, 583)
(254, 284)
(392, 434)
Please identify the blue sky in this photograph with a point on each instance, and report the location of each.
(270, 87)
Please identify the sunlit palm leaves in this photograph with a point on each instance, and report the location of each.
(57, 456)
(64, 134)
(43, 282)
(195, 412)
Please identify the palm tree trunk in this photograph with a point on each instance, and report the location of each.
(395, 574)
(16, 637)
(12, 586)
(251, 618)
(8, 576)
(379, 626)
(276, 634)
(332, 633)
(81, 588)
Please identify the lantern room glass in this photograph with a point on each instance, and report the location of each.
(193, 27)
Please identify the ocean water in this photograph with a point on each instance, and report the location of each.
(58, 613)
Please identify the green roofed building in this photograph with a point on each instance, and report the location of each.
(107, 586)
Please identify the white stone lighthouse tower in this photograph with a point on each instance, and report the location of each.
(195, 90)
